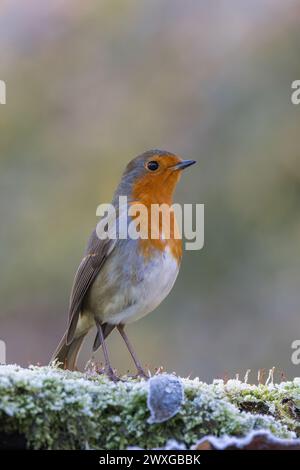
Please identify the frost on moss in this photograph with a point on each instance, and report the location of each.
(57, 409)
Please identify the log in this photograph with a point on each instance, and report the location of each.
(48, 408)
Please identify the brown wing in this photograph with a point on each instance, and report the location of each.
(95, 255)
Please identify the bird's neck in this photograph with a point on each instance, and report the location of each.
(155, 196)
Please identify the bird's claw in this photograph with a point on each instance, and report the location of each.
(110, 374)
(140, 374)
(113, 377)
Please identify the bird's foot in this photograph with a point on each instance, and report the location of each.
(140, 374)
(110, 374)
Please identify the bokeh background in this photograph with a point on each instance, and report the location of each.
(91, 85)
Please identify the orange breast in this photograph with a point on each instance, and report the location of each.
(157, 227)
(149, 247)
(158, 190)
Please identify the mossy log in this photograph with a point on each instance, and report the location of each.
(47, 408)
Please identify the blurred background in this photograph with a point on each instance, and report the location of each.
(92, 84)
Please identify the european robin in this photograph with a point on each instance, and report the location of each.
(121, 280)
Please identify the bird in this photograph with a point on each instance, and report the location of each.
(120, 280)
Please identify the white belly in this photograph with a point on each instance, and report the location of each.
(155, 287)
(133, 300)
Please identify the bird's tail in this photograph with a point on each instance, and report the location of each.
(66, 354)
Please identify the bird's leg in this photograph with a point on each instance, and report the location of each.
(137, 363)
(108, 369)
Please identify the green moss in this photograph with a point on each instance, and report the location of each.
(57, 409)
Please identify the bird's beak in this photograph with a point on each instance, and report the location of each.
(183, 164)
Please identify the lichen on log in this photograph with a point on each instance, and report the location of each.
(47, 408)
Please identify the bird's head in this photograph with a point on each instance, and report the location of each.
(152, 177)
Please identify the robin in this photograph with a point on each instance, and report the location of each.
(121, 280)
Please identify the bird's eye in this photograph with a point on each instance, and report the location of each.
(152, 166)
